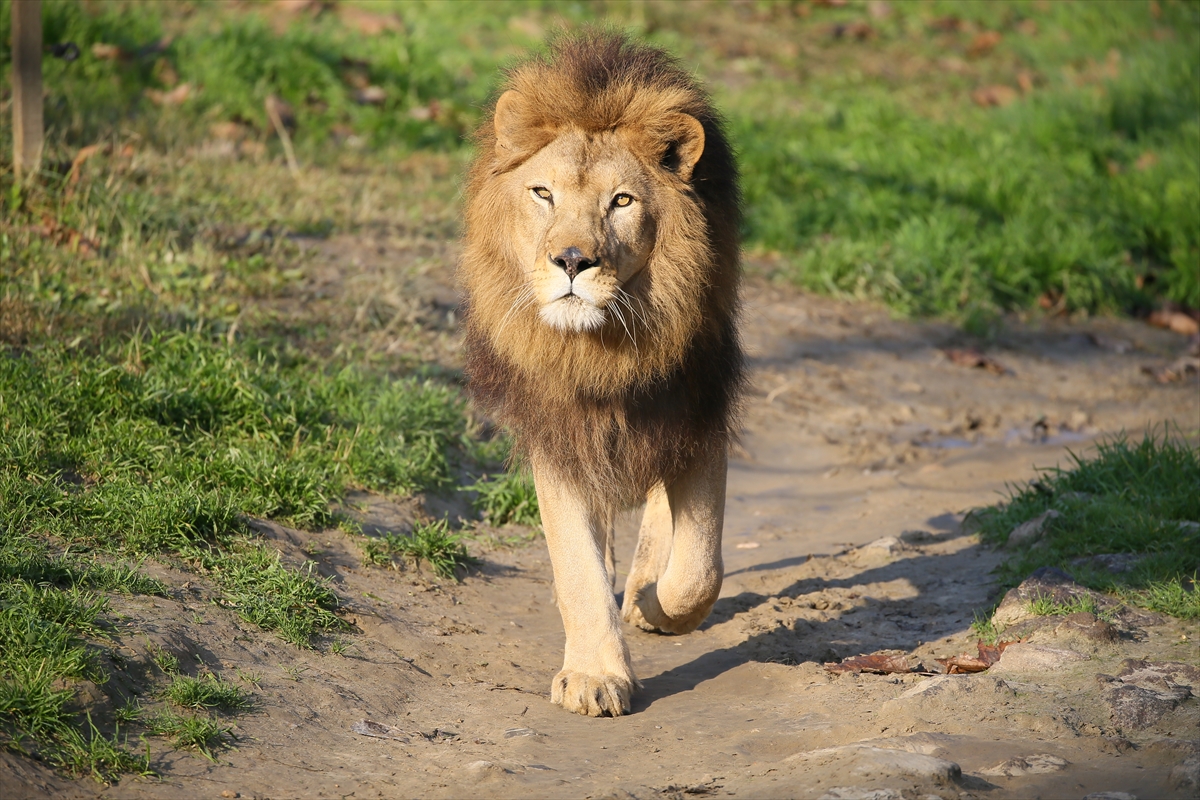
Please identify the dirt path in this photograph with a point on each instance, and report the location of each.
(863, 444)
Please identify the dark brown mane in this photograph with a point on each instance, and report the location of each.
(614, 423)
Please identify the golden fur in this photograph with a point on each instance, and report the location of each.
(600, 284)
(652, 397)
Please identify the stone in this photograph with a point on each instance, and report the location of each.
(1112, 563)
(859, 793)
(1141, 695)
(1031, 530)
(1025, 657)
(1027, 765)
(1110, 796)
(1048, 582)
(879, 762)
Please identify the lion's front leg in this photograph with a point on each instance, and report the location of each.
(677, 569)
(597, 677)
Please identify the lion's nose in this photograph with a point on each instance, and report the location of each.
(573, 261)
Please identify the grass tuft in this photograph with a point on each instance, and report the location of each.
(431, 542)
(1131, 497)
(507, 498)
(207, 691)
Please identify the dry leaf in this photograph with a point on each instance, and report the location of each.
(76, 163)
(970, 357)
(950, 24)
(108, 52)
(965, 664)
(370, 96)
(1025, 81)
(998, 95)
(172, 98)
(1175, 321)
(984, 43)
(879, 9)
(1177, 370)
(367, 22)
(231, 131)
(877, 664)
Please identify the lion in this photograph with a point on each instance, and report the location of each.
(600, 277)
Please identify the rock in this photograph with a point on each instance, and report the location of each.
(1088, 626)
(1113, 563)
(868, 761)
(1143, 692)
(1032, 530)
(1110, 796)
(1163, 675)
(859, 793)
(1186, 774)
(1024, 657)
(879, 551)
(1027, 765)
(1048, 582)
(481, 770)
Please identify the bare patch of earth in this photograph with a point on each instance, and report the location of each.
(864, 442)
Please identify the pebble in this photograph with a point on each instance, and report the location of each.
(1027, 765)
(876, 761)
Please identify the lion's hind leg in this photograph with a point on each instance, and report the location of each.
(676, 574)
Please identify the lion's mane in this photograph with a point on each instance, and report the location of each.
(614, 417)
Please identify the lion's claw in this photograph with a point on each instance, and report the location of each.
(592, 695)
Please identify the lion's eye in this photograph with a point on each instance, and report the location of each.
(622, 200)
(542, 192)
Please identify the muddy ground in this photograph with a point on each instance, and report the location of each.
(863, 445)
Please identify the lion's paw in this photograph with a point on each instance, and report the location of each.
(592, 695)
(643, 610)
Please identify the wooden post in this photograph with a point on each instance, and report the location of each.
(27, 86)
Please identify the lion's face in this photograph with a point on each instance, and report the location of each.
(585, 212)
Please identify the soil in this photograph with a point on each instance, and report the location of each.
(864, 443)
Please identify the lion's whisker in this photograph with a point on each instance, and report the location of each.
(523, 298)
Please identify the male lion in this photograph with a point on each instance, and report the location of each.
(600, 279)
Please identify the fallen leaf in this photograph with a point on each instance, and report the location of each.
(970, 357)
(1175, 321)
(964, 664)
(1025, 81)
(367, 22)
(998, 95)
(1146, 160)
(860, 31)
(232, 131)
(984, 43)
(1177, 370)
(108, 52)
(950, 24)
(370, 96)
(77, 163)
(172, 98)
(879, 9)
(880, 663)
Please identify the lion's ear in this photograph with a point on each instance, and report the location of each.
(685, 145)
(509, 122)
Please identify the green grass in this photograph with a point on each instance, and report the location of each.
(202, 732)
(507, 498)
(868, 170)
(430, 542)
(207, 691)
(1129, 498)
